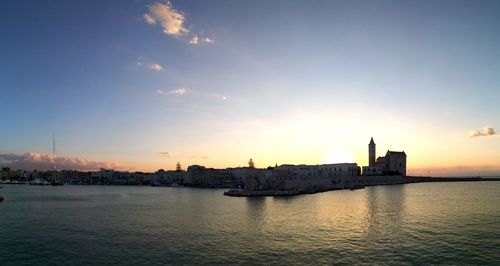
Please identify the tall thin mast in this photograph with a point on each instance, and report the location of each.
(54, 150)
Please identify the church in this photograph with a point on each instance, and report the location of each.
(393, 163)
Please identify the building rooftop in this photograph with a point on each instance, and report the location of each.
(396, 152)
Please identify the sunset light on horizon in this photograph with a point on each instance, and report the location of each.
(223, 132)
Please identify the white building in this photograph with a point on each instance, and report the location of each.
(321, 170)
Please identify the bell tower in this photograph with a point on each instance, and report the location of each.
(371, 153)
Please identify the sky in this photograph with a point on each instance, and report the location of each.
(142, 85)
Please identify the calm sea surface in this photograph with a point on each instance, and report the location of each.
(428, 223)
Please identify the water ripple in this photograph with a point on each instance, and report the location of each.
(453, 224)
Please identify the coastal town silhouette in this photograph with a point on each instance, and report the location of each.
(219, 132)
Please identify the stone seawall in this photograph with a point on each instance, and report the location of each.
(376, 180)
(309, 185)
(295, 185)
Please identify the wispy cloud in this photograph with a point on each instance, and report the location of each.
(173, 22)
(149, 19)
(221, 97)
(156, 67)
(153, 66)
(179, 91)
(166, 154)
(171, 19)
(195, 94)
(208, 40)
(487, 131)
(194, 40)
(42, 161)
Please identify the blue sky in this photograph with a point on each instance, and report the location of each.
(279, 81)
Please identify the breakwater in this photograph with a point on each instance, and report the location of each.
(298, 186)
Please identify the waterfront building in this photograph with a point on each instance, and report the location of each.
(322, 170)
(240, 174)
(393, 163)
(170, 177)
(9, 174)
(197, 175)
(75, 177)
(112, 177)
(303, 177)
(209, 177)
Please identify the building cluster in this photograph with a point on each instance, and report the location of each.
(302, 177)
(8, 174)
(201, 176)
(282, 177)
(101, 177)
(393, 163)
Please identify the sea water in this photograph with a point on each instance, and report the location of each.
(426, 223)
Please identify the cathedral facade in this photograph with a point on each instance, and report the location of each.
(393, 163)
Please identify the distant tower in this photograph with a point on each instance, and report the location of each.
(251, 164)
(54, 151)
(371, 153)
(178, 167)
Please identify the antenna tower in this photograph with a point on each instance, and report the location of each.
(54, 151)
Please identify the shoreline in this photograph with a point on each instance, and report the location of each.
(404, 180)
(453, 179)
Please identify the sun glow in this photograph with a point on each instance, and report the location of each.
(338, 156)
